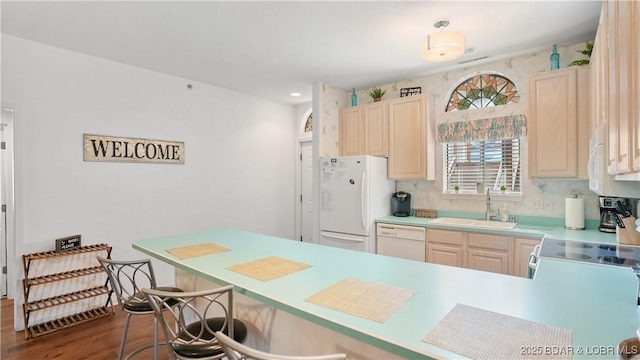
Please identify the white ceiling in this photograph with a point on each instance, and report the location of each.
(273, 48)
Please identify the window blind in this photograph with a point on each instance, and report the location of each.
(491, 163)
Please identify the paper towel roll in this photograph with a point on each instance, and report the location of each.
(574, 213)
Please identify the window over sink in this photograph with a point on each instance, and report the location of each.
(492, 163)
(482, 153)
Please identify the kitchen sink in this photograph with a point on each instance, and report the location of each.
(485, 224)
(452, 221)
(494, 224)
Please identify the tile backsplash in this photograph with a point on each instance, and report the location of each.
(428, 194)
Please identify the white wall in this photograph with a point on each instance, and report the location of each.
(239, 149)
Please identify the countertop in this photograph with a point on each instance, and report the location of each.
(528, 226)
(597, 303)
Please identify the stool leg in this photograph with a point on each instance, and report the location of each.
(155, 338)
(124, 336)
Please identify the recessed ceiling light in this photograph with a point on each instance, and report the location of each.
(295, 94)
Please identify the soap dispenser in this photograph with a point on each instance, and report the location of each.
(504, 214)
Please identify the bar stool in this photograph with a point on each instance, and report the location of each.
(190, 329)
(236, 351)
(127, 278)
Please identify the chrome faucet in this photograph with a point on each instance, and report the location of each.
(489, 213)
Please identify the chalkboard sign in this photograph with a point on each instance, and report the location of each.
(410, 91)
(68, 243)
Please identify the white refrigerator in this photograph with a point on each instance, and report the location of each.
(354, 191)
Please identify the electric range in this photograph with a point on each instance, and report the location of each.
(625, 257)
(591, 252)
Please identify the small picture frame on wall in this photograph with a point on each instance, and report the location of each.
(68, 243)
(410, 91)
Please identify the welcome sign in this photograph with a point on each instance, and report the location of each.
(122, 149)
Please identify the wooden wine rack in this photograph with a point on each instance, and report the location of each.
(49, 303)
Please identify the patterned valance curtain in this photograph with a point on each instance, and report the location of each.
(499, 128)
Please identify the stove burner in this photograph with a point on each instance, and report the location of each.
(614, 260)
(574, 256)
(574, 244)
(619, 249)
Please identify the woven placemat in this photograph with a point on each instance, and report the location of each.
(482, 334)
(268, 268)
(191, 251)
(363, 299)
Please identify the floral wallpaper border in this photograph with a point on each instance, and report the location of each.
(498, 128)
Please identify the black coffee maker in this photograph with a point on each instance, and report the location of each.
(401, 204)
(608, 212)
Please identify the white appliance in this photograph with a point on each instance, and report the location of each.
(600, 181)
(354, 190)
(405, 242)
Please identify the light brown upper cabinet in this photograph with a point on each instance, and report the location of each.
(351, 131)
(411, 142)
(619, 73)
(634, 65)
(558, 126)
(376, 128)
(364, 130)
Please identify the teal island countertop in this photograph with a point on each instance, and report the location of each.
(528, 226)
(597, 303)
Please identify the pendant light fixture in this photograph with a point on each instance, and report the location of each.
(443, 45)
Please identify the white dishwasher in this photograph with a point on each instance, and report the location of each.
(406, 242)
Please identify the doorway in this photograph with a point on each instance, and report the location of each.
(306, 197)
(6, 200)
(304, 175)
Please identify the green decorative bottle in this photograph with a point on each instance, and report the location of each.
(555, 58)
(354, 98)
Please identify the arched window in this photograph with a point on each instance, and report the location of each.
(308, 126)
(483, 154)
(481, 91)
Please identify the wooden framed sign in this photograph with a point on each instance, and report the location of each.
(121, 149)
(410, 91)
(68, 243)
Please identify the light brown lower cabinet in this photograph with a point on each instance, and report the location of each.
(522, 249)
(486, 252)
(445, 247)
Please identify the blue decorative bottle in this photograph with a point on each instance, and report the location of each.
(354, 98)
(555, 58)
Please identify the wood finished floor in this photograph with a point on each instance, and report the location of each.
(98, 339)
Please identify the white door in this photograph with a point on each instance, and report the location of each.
(3, 217)
(6, 199)
(306, 198)
(344, 195)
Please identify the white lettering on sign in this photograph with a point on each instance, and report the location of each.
(68, 243)
(121, 149)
